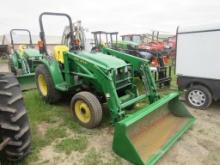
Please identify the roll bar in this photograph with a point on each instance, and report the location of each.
(24, 30)
(42, 32)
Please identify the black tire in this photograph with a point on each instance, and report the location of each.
(204, 100)
(94, 107)
(14, 122)
(52, 95)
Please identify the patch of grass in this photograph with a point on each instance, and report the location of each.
(92, 157)
(39, 111)
(70, 123)
(57, 116)
(72, 144)
(54, 133)
(38, 141)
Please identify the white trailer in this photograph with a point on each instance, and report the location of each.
(198, 64)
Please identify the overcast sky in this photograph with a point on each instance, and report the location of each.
(125, 16)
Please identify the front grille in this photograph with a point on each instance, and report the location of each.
(123, 77)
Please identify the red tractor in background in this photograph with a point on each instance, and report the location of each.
(161, 47)
(158, 44)
(158, 50)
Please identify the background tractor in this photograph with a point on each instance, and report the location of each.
(161, 71)
(24, 60)
(138, 38)
(15, 135)
(110, 39)
(157, 44)
(97, 78)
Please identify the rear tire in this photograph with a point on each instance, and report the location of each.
(86, 109)
(198, 97)
(45, 84)
(14, 122)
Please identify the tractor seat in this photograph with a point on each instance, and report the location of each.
(20, 50)
(58, 52)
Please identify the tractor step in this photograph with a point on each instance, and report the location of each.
(133, 101)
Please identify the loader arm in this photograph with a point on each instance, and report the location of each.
(141, 66)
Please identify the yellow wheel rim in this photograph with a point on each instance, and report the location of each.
(42, 84)
(82, 111)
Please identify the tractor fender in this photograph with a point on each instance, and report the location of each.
(54, 69)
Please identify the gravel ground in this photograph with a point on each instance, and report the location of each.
(201, 144)
(3, 67)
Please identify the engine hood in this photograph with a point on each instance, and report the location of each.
(103, 60)
(32, 53)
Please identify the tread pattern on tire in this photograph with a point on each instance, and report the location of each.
(94, 105)
(14, 122)
(53, 95)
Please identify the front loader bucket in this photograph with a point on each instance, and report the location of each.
(143, 137)
(27, 81)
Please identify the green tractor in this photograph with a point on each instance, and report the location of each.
(137, 38)
(95, 78)
(110, 39)
(24, 60)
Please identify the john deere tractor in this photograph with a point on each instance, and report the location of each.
(107, 77)
(15, 136)
(24, 60)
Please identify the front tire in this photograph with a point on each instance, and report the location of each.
(45, 85)
(86, 109)
(198, 97)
